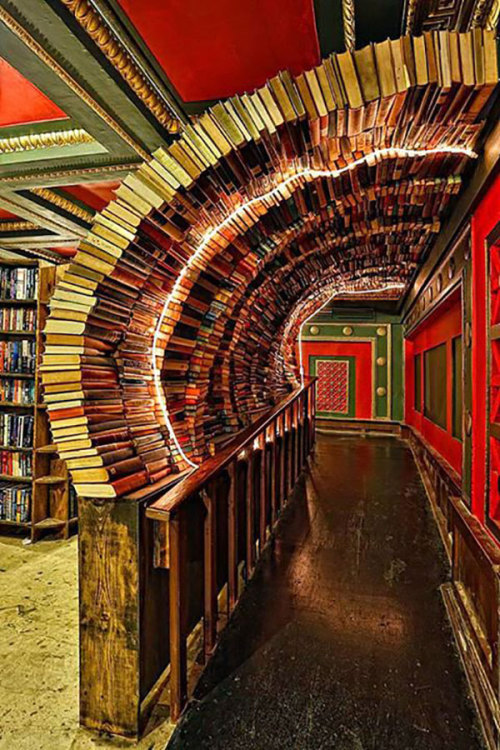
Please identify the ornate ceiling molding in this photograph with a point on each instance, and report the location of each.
(70, 175)
(15, 27)
(451, 15)
(17, 226)
(96, 28)
(35, 141)
(63, 203)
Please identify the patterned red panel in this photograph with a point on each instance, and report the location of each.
(333, 386)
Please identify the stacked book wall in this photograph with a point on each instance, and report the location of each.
(164, 334)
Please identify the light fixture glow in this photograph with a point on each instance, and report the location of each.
(280, 189)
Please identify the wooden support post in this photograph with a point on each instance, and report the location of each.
(290, 455)
(178, 607)
(273, 462)
(313, 415)
(263, 496)
(232, 530)
(307, 401)
(298, 465)
(109, 616)
(250, 513)
(210, 569)
(282, 495)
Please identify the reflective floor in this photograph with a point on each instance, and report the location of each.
(341, 639)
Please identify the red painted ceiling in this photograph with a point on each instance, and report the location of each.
(65, 252)
(212, 49)
(6, 215)
(96, 195)
(21, 102)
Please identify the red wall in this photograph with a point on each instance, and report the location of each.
(483, 221)
(362, 351)
(441, 327)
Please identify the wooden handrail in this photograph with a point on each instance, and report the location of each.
(280, 443)
(210, 469)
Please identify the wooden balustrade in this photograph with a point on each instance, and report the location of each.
(232, 502)
(153, 564)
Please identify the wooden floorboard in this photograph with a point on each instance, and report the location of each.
(341, 640)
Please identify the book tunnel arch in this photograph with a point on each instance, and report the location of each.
(176, 323)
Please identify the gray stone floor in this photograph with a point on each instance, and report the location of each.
(39, 652)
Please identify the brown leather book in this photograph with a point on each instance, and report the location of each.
(159, 475)
(115, 436)
(154, 455)
(156, 466)
(129, 483)
(108, 425)
(127, 466)
(111, 447)
(92, 412)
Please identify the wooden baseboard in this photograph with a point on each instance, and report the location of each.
(358, 426)
(485, 700)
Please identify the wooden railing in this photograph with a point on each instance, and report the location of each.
(228, 508)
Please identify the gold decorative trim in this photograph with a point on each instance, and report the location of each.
(63, 203)
(410, 15)
(17, 226)
(35, 141)
(110, 46)
(492, 19)
(348, 21)
(71, 173)
(40, 52)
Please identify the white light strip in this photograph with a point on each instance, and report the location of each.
(370, 159)
(338, 293)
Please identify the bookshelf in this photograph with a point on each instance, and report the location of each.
(36, 497)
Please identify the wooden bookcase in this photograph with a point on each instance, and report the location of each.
(51, 509)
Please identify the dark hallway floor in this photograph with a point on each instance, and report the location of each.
(341, 640)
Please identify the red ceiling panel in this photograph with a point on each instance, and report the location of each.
(21, 102)
(4, 214)
(212, 49)
(65, 252)
(96, 195)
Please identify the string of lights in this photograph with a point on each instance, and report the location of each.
(279, 190)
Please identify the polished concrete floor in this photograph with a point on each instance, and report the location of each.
(341, 640)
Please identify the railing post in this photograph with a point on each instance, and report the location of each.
(250, 513)
(177, 603)
(304, 427)
(299, 436)
(232, 530)
(282, 490)
(312, 416)
(210, 569)
(263, 494)
(308, 424)
(294, 444)
(289, 477)
(273, 462)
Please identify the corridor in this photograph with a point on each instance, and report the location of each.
(341, 640)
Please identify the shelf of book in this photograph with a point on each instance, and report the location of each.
(16, 405)
(43, 501)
